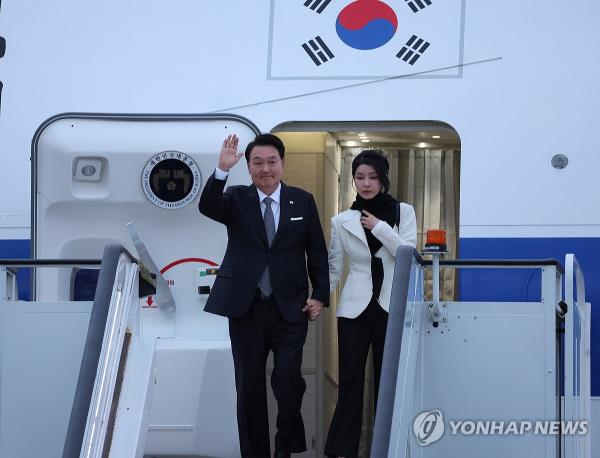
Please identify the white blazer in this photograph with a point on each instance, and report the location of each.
(348, 239)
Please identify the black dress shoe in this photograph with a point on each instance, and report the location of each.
(282, 455)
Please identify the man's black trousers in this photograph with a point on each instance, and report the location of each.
(253, 336)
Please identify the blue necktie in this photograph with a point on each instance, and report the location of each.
(265, 280)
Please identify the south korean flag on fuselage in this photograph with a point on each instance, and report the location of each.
(364, 39)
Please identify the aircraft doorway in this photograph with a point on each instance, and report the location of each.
(424, 172)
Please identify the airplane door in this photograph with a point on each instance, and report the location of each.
(94, 173)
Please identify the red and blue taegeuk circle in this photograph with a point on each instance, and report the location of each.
(366, 24)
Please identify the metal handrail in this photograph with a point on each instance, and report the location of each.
(34, 263)
(494, 263)
(401, 319)
(93, 350)
(577, 383)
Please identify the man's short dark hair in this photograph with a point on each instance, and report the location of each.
(265, 140)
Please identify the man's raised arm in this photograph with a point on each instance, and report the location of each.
(213, 203)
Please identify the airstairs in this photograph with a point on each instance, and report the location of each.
(459, 378)
(82, 376)
(498, 379)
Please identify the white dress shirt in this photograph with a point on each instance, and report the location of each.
(274, 205)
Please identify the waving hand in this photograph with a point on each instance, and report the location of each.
(229, 156)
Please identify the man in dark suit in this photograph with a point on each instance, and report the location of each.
(274, 237)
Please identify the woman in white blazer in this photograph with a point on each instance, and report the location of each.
(368, 235)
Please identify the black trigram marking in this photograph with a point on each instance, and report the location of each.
(413, 49)
(2, 47)
(318, 51)
(314, 4)
(418, 5)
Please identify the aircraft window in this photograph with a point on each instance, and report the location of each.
(83, 284)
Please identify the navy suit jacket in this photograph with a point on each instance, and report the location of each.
(298, 250)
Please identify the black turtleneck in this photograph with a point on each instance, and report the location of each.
(383, 207)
